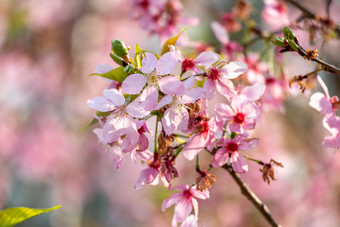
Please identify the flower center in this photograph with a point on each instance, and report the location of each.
(152, 78)
(203, 126)
(232, 147)
(144, 4)
(214, 74)
(239, 118)
(187, 64)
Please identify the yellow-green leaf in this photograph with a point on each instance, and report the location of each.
(93, 122)
(138, 52)
(116, 74)
(15, 215)
(171, 41)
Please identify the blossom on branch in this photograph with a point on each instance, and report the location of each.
(184, 201)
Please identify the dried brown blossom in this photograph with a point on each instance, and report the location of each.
(268, 170)
(205, 180)
(311, 54)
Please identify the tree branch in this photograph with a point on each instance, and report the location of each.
(251, 196)
(326, 66)
(310, 14)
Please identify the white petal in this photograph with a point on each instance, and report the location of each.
(133, 84)
(114, 96)
(101, 104)
(220, 32)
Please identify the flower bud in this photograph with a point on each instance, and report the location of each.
(129, 69)
(118, 47)
(293, 45)
(279, 41)
(288, 33)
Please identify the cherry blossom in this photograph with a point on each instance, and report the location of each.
(275, 13)
(324, 103)
(150, 176)
(184, 201)
(241, 113)
(230, 148)
(176, 117)
(219, 79)
(119, 123)
(229, 48)
(332, 124)
(204, 137)
(204, 59)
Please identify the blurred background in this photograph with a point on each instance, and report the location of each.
(48, 49)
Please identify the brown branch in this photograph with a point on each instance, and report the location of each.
(310, 14)
(251, 196)
(325, 66)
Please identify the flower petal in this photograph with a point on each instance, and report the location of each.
(114, 96)
(170, 85)
(238, 163)
(220, 158)
(149, 63)
(167, 63)
(182, 209)
(194, 145)
(234, 69)
(101, 104)
(255, 91)
(207, 58)
(170, 201)
(134, 83)
(220, 33)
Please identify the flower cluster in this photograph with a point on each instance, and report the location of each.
(174, 91)
(159, 17)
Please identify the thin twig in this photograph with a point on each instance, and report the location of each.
(251, 196)
(326, 66)
(310, 14)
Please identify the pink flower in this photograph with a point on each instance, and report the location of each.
(275, 13)
(119, 123)
(160, 17)
(184, 201)
(201, 139)
(176, 117)
(274, 93)
(154, 71)
(229, 21)
(205, 59)
(332, 124)
(114, 149)
(229, 47)
(253, 92)
(324, 104)
(242, 113)
(256, 68)
(219, 79)
(230, 148)
(190, 221)
(150, 176)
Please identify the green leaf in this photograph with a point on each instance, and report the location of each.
(171, 41)
(116, 74)
(93, 122)
(15, 215)
(138, 52)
